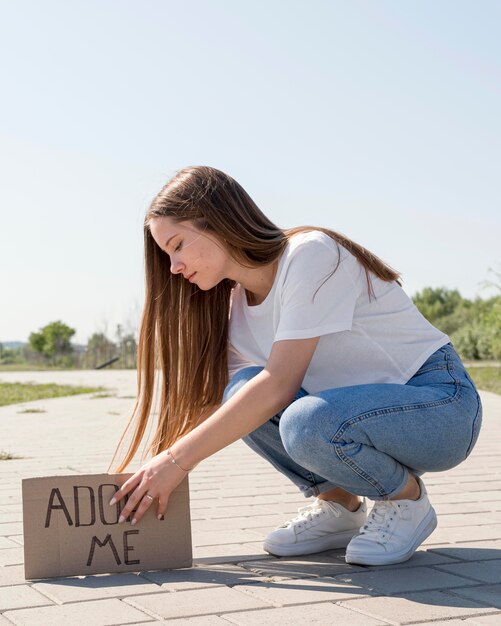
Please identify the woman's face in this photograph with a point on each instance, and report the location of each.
(194, 253)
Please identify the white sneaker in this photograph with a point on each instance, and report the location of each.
(393, 532)
(319, 526)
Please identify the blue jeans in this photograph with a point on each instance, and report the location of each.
(367, 438)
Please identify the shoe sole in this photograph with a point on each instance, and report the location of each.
(423, 531)
(339, 540)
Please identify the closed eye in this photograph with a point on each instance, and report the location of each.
(178, 247)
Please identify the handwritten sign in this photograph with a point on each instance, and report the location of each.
(70, 529)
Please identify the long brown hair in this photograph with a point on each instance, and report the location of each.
(184, 330)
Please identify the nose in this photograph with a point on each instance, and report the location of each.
(176, 266)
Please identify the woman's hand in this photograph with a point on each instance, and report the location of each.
(157, 479)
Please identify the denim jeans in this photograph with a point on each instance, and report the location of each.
(367, 438)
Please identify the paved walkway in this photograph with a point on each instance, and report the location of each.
(236, 498)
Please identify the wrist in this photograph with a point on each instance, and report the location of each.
(177, 459)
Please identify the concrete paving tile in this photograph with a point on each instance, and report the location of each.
(420, 558)
(443, 509)
(286, 592)
(11, 556)
(464, 533)
(416, 607)
(6, 542)
(20, 597)
(216, 600)
(473, 468)
(95, 613)
(16, 539)
(205, 493)
(257, 500)
(12, 575)
(492, 505)
(152, 621)
(12, 508)
(201, 577)
(9, 490)
(10, 516)
(223, 536)
(225, 560)
(467, 519)
(464, 496)
(486, 594)
(242, 523)
(479, 496)
(311, 566)
(319, 614)
(469, 621)
(485, 620)
(262, 531)
(64, 590)
(254, 490)
(229, 553)
(482, 571)
(495, 515)
(441, 488)
(205, 620)
(211, 504)
(470, 551)
(394, 581)
(476, 484)
(11, 528)
(224, 512)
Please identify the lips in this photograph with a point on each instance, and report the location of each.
(190, 277)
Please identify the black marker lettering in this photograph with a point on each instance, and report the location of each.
(128, 548)
(53, 507)
(103, 504)
(95, 541)
(92, 502)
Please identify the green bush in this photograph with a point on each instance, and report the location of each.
(474, 326)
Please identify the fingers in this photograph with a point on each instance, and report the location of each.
(128, 485)
(144, 505)
(136, 503)
(162, 507)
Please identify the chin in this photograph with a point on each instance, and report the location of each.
(206, 286)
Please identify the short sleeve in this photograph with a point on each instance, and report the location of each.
(319, 291)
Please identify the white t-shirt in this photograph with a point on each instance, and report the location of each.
(383, 339)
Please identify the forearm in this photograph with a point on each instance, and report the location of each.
(207, 414)
(250, 407)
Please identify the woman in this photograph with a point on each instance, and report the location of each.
(335, 377)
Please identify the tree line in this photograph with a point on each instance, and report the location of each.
(474, 327)
(51, 346)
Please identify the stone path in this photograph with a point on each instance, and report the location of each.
(236, 498)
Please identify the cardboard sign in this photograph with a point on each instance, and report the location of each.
(70, 529)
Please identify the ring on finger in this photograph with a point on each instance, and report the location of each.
(147, 495)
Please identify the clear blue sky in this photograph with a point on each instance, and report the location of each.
(380, 119)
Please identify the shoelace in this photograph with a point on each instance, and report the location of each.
(380, 520)
(311, 511)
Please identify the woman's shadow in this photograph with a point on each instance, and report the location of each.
(453, 577)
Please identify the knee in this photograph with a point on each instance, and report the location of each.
(299, 430)
(239, 380)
